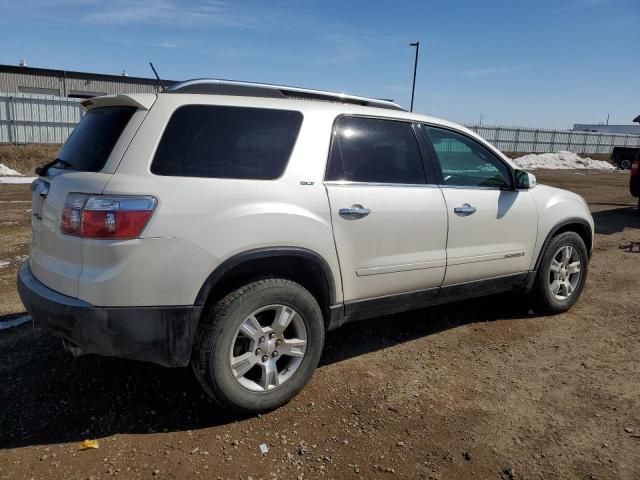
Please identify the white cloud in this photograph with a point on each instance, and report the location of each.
(579, 4)
(177, 13)
(590, 3)
(158, 12)
(169, 45)
(341, 48)
(485, 72)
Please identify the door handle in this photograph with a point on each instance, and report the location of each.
(354, 212)
(465, 210)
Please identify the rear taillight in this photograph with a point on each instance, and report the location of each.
(106, 216)
(635, 168)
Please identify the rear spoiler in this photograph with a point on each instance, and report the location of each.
(138, 100)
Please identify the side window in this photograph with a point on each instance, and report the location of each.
(465, 162)
(227, 142)
(375, 151)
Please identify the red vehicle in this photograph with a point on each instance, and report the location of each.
(634, 183)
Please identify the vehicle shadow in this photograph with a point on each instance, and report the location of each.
(608, 222)
(49, 397)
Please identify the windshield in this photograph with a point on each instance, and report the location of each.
(90, 144)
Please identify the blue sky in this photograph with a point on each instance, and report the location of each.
(533, 63)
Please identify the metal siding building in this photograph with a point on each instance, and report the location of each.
(623, 129)
(62, 83)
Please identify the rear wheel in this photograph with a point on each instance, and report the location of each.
(259, 345)
(562, 272)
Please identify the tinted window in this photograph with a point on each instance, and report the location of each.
(376, 151)
(466, 162)
(227, 142)
(90, 144)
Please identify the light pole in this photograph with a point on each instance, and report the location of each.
(415, 69)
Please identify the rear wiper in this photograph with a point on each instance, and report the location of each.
(43, 169)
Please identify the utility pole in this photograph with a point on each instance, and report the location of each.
(415, 69)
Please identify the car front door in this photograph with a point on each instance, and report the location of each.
(389, 218)
(492, 227)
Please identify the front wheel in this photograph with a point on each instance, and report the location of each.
(562, 272)
(259, 345)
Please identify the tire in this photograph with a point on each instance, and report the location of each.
(228, 332)
(547, 273)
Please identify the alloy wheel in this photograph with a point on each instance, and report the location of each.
(565, 272)
(268, 347)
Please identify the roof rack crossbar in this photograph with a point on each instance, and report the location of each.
(232, 87)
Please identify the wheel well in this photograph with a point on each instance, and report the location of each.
(583, 230)
(580, 227)
(302, 269)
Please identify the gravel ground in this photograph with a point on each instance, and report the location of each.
(480, 389)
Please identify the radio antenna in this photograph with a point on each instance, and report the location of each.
(158, 77)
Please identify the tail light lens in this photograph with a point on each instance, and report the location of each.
(106, 216)
(635, 168)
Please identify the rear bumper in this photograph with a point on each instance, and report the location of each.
(162, 335)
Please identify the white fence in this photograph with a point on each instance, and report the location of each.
(543, 140)
(27, 118)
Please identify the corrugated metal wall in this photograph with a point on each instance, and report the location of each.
(543, 140)
(12, 82)
(29, 118)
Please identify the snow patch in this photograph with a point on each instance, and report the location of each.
(15, 180)
(17, 258)
(6, 171)
(561, 160)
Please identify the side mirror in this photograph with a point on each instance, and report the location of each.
(525, 180)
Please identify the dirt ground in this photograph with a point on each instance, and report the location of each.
(482, 389)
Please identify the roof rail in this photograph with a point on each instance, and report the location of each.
(211, 86)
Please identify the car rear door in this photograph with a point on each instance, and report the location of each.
(492, 227)
(389, 219)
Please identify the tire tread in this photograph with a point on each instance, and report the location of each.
(212, 324)
(540, 293)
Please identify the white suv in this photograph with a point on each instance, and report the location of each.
(229, 225)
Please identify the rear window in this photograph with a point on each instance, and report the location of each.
(227, 142)
(90, 144)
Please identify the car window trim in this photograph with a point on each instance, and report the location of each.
(178, 107)
(413, 124)
(438, 166)
(425, 151)
(349, 183)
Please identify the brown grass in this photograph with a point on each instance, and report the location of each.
(25, 158)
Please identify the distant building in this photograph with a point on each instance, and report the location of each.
(63, 83)
(623, 129)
